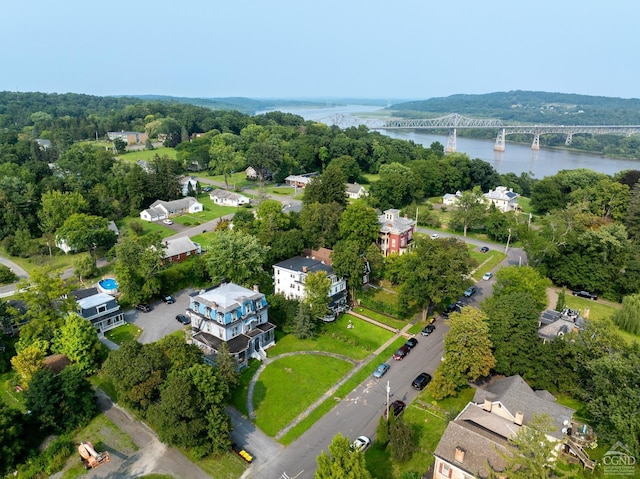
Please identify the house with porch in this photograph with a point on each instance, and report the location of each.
(396, 233)
(100, 308)
(160, 210)
(477, 440)
(300, 181)
(504, 199)
(228, 198)
(289, 277)
(235, 315)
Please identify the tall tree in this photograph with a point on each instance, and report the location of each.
(469, 210)
(327, 188)
(432, 272)
(224, 157)
(628, 317)
(304, 323)
(349, 264)
(234, 256)
(467, 352)
(320, 224)
(522, 279)
(316, 293)
(139, 260)
(28, 362)
(359, 223)
(56, 207)
(84, 232)
(341, 462)
(12, 439)
(227, 366)
(78, 340)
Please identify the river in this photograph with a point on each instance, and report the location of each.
(516, 158)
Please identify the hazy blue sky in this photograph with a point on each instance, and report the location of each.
(330, 48)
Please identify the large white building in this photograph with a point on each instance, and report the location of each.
(289, 277)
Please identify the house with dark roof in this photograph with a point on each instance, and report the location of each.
(231, 314)
(479, 437)
(290, 275)
(553, 324)
(14, 318)
(228, 198)
(100, 308)
(160, 210)
(396, 232)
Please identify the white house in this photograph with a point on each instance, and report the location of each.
(62, 242)
(451, 199)
(228, 198)
(186, 182)
(299, 181)
(290, 274)
(160, 210)
(231, 314)
(355, 191)
(504, 199)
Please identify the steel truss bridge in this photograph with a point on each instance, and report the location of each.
(455, 121)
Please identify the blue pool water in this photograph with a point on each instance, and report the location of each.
(108, 283)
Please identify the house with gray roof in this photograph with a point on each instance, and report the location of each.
(235, 315)
(179, 249)
(504, 199)
(356, 191)
(474, 441)
(100, 308)
(160, 210)
(396, 232)
(554, 324)
(228, 198)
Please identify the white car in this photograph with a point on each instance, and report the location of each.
(487, 276)
(435, 236)
(361, 443)
(167, 222)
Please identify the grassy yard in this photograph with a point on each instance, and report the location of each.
(126, 332)
(147, 155)
(239, 396)
(382, 318)
(357, 342)
(226, 465)
(147, 227)
(289, 385)
(8, 393)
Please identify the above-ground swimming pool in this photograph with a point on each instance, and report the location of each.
(108, 285)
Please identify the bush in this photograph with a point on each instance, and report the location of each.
(7, 276)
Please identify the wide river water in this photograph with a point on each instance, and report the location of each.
(516, 158)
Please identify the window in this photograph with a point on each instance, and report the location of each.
(393, 243)
(445, 469)
(102, 308)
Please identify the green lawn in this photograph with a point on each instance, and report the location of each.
(225, 465)
(126, 332)
(382, 318)
(239, 395)
(357, 343)
(597, 309)
(8, 393)
(147, 227)
(289, 385)
(147, 155)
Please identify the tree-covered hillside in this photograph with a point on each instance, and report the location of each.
(530, 107)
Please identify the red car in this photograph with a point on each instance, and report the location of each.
(401, 353)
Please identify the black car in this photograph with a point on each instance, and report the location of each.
(183, 319)
(167, 298)
(586, 294)
(143, 307)
(421, 381)
(484, 249)
(452, 308)
(397, 406)
(428, 329)
(411, 343)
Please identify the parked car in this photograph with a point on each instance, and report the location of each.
(167, 298)
(361, 443)
(183, 319)
(401, 353)
(428, 329)
(242, 453)
(381, 370)
(452, 308)
(421, 381)
(143, 307)
(397, 406)
(435, 236)
(471, 290)
(487, 276)
(484, 249)
(167, 222)
(586, 294)
(411, 343)
(207, 189)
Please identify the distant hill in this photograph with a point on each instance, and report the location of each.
(529, 107)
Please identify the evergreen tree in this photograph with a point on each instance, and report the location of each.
(341, 462)
(304, 325)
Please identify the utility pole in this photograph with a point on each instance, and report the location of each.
(506, 248)
(388, 391)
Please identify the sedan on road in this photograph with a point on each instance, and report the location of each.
(401, 353)
(471, 290)
(428, 329)
(381, 370)
(397, 406)
(487, 276)
(361, 443)
(421, 381)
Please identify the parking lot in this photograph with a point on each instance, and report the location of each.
(161, 320)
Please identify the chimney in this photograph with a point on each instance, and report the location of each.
(487, 405)
(459, 455)
(255, 288)
(519, 418)
(304, 269)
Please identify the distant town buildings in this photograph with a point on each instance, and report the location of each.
(129, 137)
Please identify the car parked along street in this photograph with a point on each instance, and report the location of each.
(586, 294)
(421, 381)
(381, 370)
(428, 329)
(401, 353)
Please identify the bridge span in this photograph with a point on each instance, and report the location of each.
(455, 121)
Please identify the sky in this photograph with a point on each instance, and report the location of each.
(394, 49)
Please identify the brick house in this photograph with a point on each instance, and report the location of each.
(396, 233)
